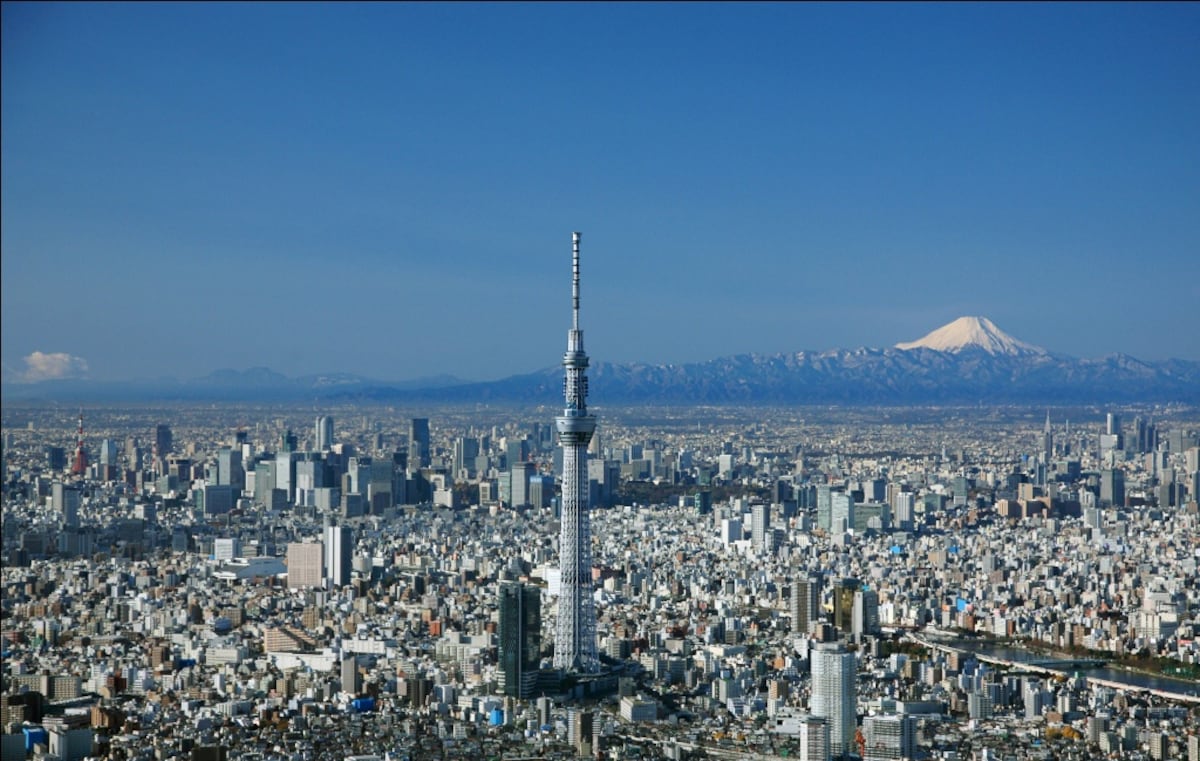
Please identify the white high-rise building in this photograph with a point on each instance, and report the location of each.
(760, 524)
(339, 549)
(904, 504)
(834, 694)
(731, 530)
(575, 635)
(841, 512)
(324, 434)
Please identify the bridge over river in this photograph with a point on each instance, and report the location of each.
(1097, 671)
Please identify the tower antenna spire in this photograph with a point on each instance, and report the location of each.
(575, 279)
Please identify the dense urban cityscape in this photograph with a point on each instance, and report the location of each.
(272, 583)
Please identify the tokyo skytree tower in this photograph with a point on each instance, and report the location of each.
(575, 639)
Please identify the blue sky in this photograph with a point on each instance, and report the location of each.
(390, 190)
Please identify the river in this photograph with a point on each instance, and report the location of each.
(1132, 679)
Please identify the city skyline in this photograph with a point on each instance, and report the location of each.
(189, 188)
(1013, 603)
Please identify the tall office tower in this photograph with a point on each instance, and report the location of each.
(841, 512)
(834, 694)
(516, 450)
(1145, 435)
(309, 476)
(518, 491)
(66, 501)
(904, 503)
(1112, 488)
(805, 603)
(229, 468)
(381, 485)
(80, 464)
(760, 524)
(305, 564)
(520, 637)
(285, 474)
(339, 551)
(575, 637)
(56, 458)
(324, 434)
(1112, 428)
(465, 452)
(288, 442)
(864, 618)
(824, 506)
(133, 454)
(418, 443)
(163, 441)
(843, 604)
(108, 452)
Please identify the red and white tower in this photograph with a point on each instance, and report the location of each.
(80, 464)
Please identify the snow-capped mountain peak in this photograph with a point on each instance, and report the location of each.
(972, 332)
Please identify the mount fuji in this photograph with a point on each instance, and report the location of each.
(973, 332)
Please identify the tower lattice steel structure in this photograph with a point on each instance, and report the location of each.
(575, 639)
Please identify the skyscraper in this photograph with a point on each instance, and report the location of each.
(339, 547)
(834, 694)
(760, 524)
(864, 618)
(904, 504)
(843, 604)
(575, 637)
(518, 491)
(805, 603)
(66, 501)
(824, 506)
(229, 468)
(324, 434)
(841, 512)
(1112, 488)
(520, 637)
(163, 441)
(418, 443)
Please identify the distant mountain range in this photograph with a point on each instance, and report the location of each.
(968, 361)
